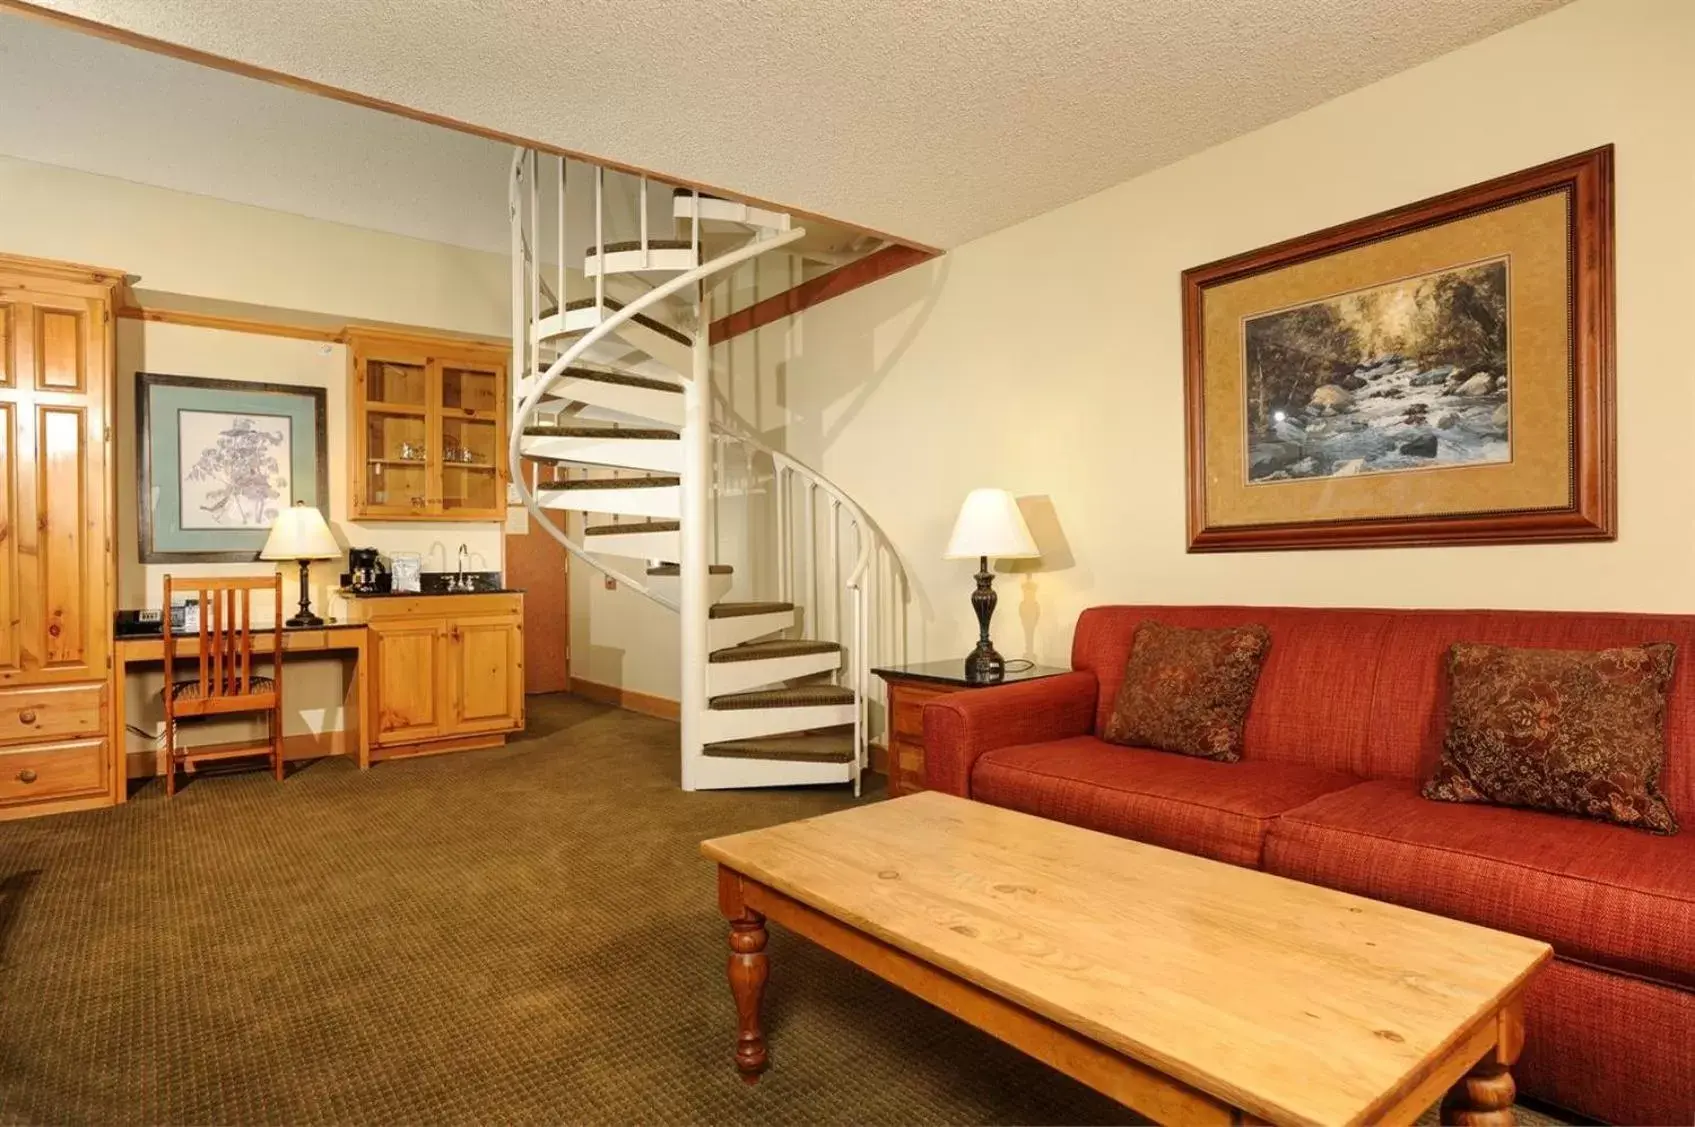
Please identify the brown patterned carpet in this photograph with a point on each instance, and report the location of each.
(521, 935)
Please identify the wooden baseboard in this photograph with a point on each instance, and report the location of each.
(619, 697)
(438, 747)
(302, 745)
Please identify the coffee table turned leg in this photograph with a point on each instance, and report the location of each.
(1484, 1096)
(747, 982)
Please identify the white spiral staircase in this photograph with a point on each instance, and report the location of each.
(614, 425)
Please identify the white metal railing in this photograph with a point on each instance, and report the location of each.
(832, 561)
(608, 323)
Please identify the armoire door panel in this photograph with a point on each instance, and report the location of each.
(10, 650)
(57, 568)
(59, 357)
(62, 453)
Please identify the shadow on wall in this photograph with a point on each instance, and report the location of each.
(748, 378)
(605, 665)
(1039, 514)
(885, 300)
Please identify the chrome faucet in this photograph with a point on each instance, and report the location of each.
(460, 583)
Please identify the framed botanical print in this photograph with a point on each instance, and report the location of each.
(1437, 374)
(219, 459)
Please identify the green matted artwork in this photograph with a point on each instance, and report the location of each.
(218, 460)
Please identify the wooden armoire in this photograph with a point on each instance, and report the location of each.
(57, 542)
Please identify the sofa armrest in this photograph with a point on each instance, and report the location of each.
(961, 726)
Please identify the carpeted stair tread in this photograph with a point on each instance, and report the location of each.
(636, 244)
(741, 610)
(800, 696)
(600, 432)
(657, 481)
(824, 747)
(774, 647)
(672, 570)
(623, 378)
(640, 318)
(681, 192)
(634, 526)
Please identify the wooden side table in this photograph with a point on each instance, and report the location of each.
(911, 687)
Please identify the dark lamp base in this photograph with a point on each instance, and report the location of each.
(305, 617)
(985, 666)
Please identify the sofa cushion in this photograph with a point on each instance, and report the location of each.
(1408, 716)
(1313, 704)
(1568, 731)
(1598, 893)
(1200, 806)
(1188, 690)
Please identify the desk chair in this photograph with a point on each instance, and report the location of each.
(226, 682)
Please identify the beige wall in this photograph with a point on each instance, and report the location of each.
(1046, 358)
(178, 243)
(204, 248)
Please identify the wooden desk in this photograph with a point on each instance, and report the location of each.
(346, 637)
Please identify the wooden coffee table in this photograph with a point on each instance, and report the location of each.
(1189, 990)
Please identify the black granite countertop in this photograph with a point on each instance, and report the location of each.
(437, 583)
(428, 594)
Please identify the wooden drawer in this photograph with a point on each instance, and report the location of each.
(37, 772)
(52, 712)
(906, 767)
(305, 640)
(909, 719)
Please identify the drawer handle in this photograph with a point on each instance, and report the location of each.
(27, 716)
(26, 776)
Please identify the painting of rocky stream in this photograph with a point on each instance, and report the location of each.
(1406, 376)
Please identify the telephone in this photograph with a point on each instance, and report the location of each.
(148, 621)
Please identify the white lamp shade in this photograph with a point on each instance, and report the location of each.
(990, 524)
(300, 533)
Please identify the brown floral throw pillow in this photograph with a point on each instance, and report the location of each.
(1188, 690)
(1571, 731)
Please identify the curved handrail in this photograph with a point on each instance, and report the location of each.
(736, 433)
(538, 389)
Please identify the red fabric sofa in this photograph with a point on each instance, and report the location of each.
(1347, 721)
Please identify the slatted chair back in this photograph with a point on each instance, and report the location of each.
(225, 641)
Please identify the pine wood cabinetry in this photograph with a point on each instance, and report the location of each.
(56, 542)
(485, 670)
(447, 671)
(429, 426)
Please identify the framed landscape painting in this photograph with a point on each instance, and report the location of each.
(219, 459)
(1437, 374)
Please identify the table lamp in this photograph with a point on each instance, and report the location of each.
(300, 533)
(989, 524)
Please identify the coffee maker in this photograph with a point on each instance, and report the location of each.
(366, 572)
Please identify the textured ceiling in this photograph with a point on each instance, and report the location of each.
(933, 121)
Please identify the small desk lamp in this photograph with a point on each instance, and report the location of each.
(989, 524)
(300, 533)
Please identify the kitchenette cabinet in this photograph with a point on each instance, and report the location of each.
(447, 671)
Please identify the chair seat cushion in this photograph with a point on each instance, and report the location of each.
(1200, 806)
(1600, 894)
(190, 690)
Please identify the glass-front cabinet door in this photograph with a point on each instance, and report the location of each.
(429, 429)
(472, 442)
